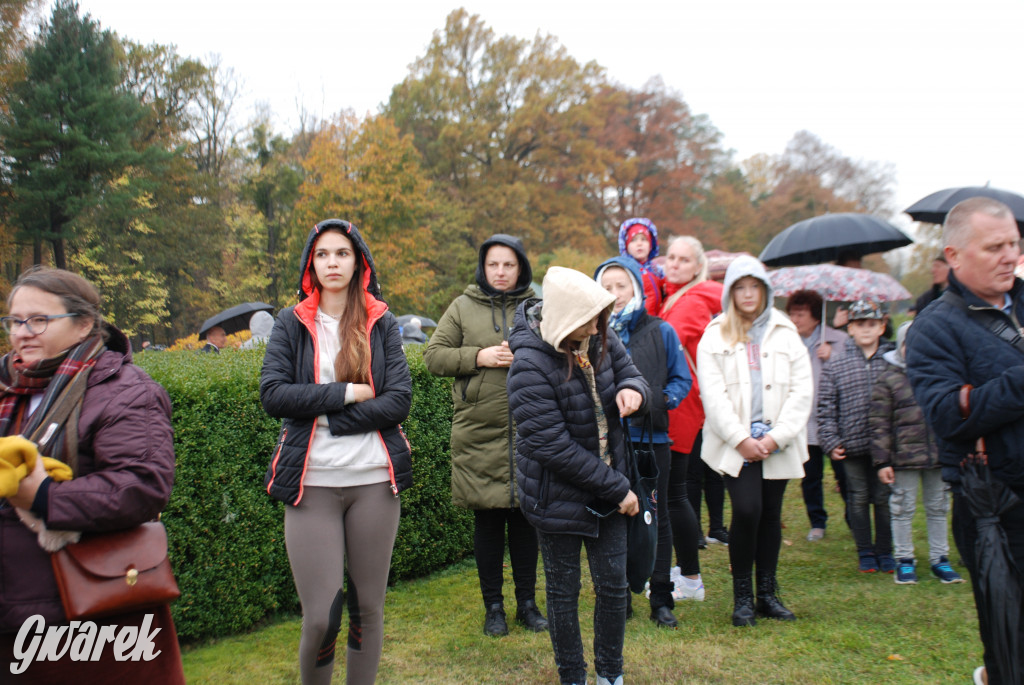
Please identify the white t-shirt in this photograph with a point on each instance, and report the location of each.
(346, 460)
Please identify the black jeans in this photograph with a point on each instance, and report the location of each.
(755, 535)
(813, 488)
(701, 479)
(606, 555)
(865, 493)
(682, 514)
(966, 533)
(489, 551)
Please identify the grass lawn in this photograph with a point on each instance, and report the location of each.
(851, 628)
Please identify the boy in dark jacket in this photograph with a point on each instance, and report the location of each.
(843, 402)
(905, 453)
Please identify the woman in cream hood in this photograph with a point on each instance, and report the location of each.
(756, 387)
(570, 382)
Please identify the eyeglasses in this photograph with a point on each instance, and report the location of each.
(36, 325)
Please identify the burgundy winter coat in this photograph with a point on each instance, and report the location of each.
(124, 478)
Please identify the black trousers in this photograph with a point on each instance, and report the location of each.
(489, 550)
(755, 535)
(701, 479)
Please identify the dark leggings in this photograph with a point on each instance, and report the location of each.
(685, 526)
(755, 535)
(701, 479)
(489, 551)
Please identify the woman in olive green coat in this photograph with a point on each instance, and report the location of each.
(471, 344)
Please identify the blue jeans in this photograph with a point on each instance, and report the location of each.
(606, 555)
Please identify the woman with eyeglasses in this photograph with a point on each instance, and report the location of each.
(569, 385)
(335, 371)
(70, 387)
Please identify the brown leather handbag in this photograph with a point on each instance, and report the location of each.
(115, 573)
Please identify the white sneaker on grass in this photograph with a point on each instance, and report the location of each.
(686, 588)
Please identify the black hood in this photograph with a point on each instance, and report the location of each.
(349, 229)
(525, 271)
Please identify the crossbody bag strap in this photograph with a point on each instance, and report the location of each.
(991, 321)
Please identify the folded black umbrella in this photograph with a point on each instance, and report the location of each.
(997, 575)
(234, 319)
(934, 208)
(825, 238)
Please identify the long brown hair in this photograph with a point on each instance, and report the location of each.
(602, 333)
(353, 361)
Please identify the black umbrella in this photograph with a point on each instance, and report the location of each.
(998, 578)
(425, 321)
(933, 209)
(824, 238)
(234, 319)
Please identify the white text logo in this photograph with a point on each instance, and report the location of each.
(81, 641)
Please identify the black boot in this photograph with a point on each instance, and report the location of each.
(529, 615)
(768, 604)
(494, 621)
(662, 604)
(743, 602)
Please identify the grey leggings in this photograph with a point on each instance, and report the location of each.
(329, 527)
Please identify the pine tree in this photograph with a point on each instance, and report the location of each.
(70, 129)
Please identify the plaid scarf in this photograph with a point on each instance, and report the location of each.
(53, 426)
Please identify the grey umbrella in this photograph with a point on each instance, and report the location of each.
(234, 319)
(824, 238)
(934, 208)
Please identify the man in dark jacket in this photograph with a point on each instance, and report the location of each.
(952, 344)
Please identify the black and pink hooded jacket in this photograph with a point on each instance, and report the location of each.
(289, 388)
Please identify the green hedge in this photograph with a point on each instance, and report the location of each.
(226, 534)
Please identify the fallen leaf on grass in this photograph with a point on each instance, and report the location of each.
(894, 657)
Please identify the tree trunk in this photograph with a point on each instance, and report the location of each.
(59, 260)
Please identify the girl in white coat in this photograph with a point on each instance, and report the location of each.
(756, 387)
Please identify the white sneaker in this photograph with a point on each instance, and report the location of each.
(647, 589)
(689, 589)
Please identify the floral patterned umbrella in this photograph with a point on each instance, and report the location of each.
(838, 283)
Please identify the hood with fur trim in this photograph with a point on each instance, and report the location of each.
(571, 299)
(525, 270)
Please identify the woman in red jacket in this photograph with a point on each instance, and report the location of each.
(691, 301)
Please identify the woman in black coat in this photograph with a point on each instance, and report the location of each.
(335, 371)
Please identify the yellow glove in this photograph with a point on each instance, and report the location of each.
(18, 458)
(56, 469)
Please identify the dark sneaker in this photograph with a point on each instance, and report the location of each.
(718, 536)
(494, 621)
(944, 572)
(868, 564)
(702, 543)
(529, 615)
(906, 572)
(886, 564)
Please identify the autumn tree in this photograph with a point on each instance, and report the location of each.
(657, 157)
(495, 120)
(368, 173)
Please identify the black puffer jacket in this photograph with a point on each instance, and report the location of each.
(289, 388)
(559, 469)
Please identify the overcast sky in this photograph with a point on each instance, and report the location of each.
(934, 87)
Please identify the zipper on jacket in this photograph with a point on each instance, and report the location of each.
(273, 462)
(508, 411)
